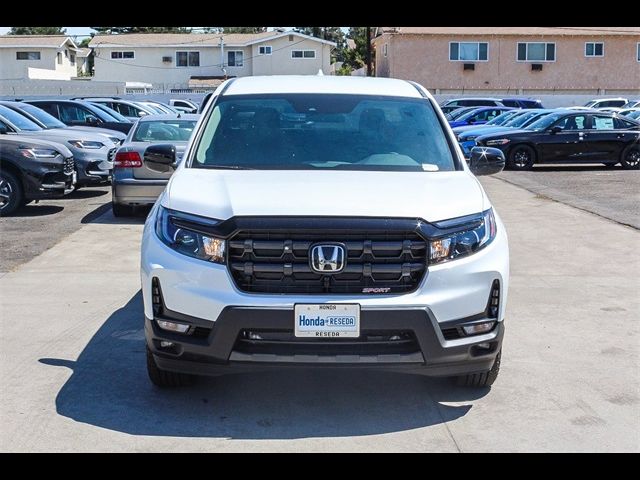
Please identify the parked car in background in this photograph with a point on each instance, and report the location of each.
(569, 136)
(453, 104)
(77, 112)
(112, 112)
(160, 108)
(126, 108)
(634, 114)
(186, 106)
(632, 104)
(501, 119)
(477, 116)
(517, 102)
(606, 102)
(32, 169)
(458, 112)
(133, 182)
(522, 119)
(93, 152)
(47, 121)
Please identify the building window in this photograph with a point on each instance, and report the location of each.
(72, 59)
(468, 51)
(27, 55)
(122, 55)
(594, 49)
(303, 54)
(384, 50)
(59, 56)
(235, 58)
(187, 59)
(265, 50)
(536, 52)
(638, 52)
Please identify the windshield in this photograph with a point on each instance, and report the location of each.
(324, 131)
(109, 114)
(520, 120)
(635, 115)
(502, 118)
(18, 120)
(164, 130)
(43, 117)
(591, 103)
(546, 121)
(459, 112)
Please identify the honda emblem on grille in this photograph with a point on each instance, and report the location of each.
(327, 258)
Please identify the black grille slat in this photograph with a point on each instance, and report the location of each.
(69, 165)
(278, 261)
(451, 333)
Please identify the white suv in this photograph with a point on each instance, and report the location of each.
(322, 221)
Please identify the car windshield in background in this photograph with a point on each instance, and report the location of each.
(47, 119)
(110, 114)
(459, 112)
(520, 120)
(18, 120)
(546, 121)
(324, 131)
(164, 130)
(502, 118)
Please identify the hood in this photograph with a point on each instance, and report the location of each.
(477, 132)
(464, 128)
(222, 194)
(505, 133)
(59, 134)
(19, 141)
(105, 131)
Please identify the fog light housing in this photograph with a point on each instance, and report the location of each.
(165, 344)
(173, 327)
(478, 328)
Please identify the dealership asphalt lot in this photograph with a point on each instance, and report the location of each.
(73, 374)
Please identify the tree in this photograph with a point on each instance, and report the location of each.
(112, 30)
(244, 29)
(37, 31)
(355, 58)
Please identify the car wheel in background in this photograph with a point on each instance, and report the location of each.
(631, 158)
(521, 157)
(485, 379)
(163, 378)
(120, 210)
(11, 196)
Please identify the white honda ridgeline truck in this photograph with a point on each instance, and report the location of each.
(322, 221)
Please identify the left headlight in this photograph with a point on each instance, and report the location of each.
(39, 152)
(183, 233)
(86, 144)
(465, 242)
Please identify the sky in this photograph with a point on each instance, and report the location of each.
(84, 31)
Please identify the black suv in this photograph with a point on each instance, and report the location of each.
(32, 169)
(75, 112)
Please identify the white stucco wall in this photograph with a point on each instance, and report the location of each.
(281, 63)
(11, 68)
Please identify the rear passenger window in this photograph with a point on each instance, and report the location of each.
(603, 123)
(50, 108)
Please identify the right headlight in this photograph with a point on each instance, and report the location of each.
(465, 242)
(36, 152)
(183, 233)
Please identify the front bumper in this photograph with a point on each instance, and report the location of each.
(93, 169)
(222, 347)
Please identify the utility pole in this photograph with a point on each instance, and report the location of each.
(369, 51)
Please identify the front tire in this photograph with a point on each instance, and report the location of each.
(630, 158)
(11, 194)
(485, 379)
(521, 157)
(163, 378)
(120, 210)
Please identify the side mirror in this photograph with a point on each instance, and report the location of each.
(160, 158)
(556, 129)
(91, 120)
(486, 161)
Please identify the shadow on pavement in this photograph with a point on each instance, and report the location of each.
(578, 168)
(85, 192)
(35, 210)
(109, 388)
(104, 215)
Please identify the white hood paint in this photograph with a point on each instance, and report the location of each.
(223, 194)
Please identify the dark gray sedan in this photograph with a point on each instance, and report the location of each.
(133, 183)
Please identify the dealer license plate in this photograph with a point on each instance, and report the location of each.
(330, 320)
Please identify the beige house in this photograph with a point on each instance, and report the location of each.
(49, 57)
(512, 59)
(177, 58)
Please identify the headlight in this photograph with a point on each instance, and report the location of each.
(178, 231)
(465, 242)
(86, 144)
(499, 141)
(39, 153)
(115, 140)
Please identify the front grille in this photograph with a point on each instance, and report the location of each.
(278, 262)
(111, 154)
(69, 165)
(283, 342)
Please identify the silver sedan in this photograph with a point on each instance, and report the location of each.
(133, 183)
